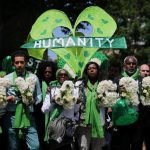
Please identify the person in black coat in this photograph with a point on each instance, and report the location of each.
(144, 110)
(126, 137)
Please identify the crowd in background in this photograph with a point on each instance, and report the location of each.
(43, 124)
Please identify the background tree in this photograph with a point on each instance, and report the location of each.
(133, 22)
(132, 17)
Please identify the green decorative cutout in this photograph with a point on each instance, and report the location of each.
(45, 19)
(49, 25)
(44, 32)
(43, 28)
(104, 21)
(79, 73)
(86, 54)
(58, 20)
(99, 31)
(67, 56)
(81, 64)
(90, 17)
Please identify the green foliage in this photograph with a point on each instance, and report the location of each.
(132, 17)
(133, 21)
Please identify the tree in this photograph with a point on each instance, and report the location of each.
(18, 16)
(133, 21)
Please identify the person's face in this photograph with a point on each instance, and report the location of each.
(130, 66)
(144, 71)
(62, 76)
(48, 73)
(19, 63)
(92, 71)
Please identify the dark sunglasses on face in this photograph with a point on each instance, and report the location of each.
(145, 70)
(62, 74)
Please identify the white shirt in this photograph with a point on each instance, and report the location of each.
(68, 113)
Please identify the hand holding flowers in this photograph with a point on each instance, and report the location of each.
(26, 88)
(106, 91)
(129, 89)
(4, 83)
(65, 96)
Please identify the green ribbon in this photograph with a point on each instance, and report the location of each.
(92, 115)
(22, 119)
(134, 76)
(88, 42)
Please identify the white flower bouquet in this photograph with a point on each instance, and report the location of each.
(65, 96)
(26, 88)
(4, 83)
(145, 93)
(106, 92)
(129, 90)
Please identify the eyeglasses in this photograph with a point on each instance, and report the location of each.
(145, 70)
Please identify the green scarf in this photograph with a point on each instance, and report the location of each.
(54, 83)
(22, 119)
(92, 116)
(134, 76)
(44, 90)
(54, 113)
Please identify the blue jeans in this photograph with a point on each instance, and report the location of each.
(30, 134)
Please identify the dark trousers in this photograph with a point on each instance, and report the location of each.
(64, 145)
(127, 137)
(145, 137)
(3, 136)
(40, 123)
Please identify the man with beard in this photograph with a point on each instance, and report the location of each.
(19, 116)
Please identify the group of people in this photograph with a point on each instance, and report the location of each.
(44, 124)
(132, 136)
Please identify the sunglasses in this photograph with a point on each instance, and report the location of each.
(62, 74)
(145, 70)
